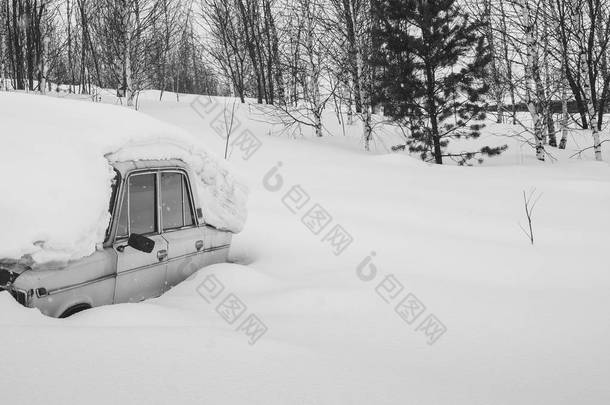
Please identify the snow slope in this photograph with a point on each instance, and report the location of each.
(56, 173)
(524, 324)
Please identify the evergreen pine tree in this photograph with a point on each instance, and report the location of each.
(431, 60)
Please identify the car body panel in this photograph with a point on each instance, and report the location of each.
(90, 280)
(186, 254)
(217, 245)
(140, 275)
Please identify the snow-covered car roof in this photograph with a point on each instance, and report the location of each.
(56, 173)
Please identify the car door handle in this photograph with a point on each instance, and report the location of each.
(162, 255)
(199, 245)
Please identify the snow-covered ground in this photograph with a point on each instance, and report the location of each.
(522, 324)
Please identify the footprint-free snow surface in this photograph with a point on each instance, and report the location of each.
(374, 279)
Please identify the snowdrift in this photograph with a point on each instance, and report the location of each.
(56, 173)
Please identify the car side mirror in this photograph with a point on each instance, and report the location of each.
(141, 243)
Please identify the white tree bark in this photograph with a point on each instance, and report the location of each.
(350, 112)
(497, 89)
(597, 148)
(128, 81)
(508, 62)
(565, 117)
(547, 107)
(2, 65)
(318, 125)
(44, 69)
(531, 67)
(584, 64)
(365, 75)
(313, 51)
(127, 77)
(367, 108)
(564, 109)
(314, 88)
(367, 126)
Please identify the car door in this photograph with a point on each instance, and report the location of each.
(140, 275)
(217, 244)
(179, 227)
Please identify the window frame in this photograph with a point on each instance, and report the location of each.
(187, 184)
(125, 194)
(114, 206)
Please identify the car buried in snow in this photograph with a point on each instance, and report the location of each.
(156, 238)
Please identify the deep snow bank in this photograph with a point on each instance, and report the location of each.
(56, 175)
(526, 324)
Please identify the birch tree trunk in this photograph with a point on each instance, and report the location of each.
(318, 124)
(565, 117)
(83, 48)
(165, 51)
(43, 66)
(354, 54)
(2, 65)
(532, 73)
(548, 111)
(365, 97)
(597, 148)
(69, 33)
(496, 83)
(350, 110)
(509, 64)
(564, 110)
(367, 127)
(127, 84)
(366, 77)
(314, 90)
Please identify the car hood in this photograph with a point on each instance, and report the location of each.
(10, 269)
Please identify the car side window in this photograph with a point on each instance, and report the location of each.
(176, 208)
(139, 206)
(142, 203)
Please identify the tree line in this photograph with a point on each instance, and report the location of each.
(548, 52)
(435, 68)
(128, 45)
